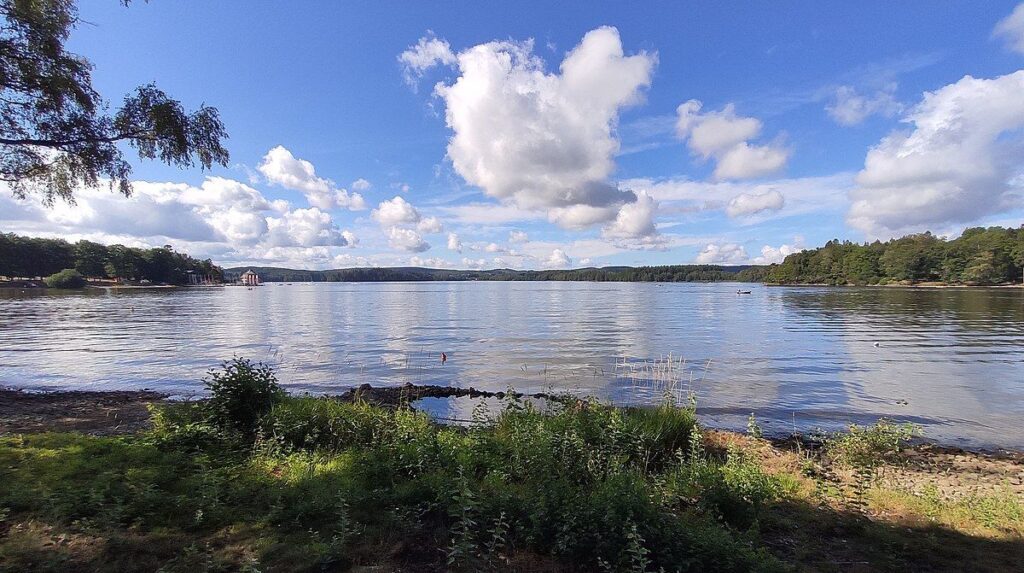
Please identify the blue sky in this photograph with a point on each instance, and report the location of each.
(537, 135)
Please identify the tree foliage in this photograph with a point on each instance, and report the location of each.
(667, 273)
(55, 131)
(67, 278)
(979, 256)
(29, 257)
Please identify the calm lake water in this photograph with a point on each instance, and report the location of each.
(951, 360)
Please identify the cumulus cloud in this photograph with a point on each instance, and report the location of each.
(474, 263)
(434, 263)
(396, 211)
(800, 195)
(282, 168)
(542, 141)
(430, 225)
(557, 260)
(406, 240)
(849, 107)
(751, 203)
(454, 244)
(724, 137)
(304, 228)
(1011, 29)
(361, 184)
(518, 237)
(427, 53)
(722, 254)
(957, 163)
(634, 220)
(770, 254)
(494, 248)
(222, 218)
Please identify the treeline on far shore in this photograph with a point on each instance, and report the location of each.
(35, 258)
(980, 256)
(669, 273)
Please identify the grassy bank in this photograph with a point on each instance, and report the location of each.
(258, 481)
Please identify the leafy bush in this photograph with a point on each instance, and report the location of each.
(870, 446)
(241, 394)
(67, 278)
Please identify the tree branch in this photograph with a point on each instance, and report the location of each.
(56, 143)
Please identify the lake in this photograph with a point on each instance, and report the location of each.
(951, 360)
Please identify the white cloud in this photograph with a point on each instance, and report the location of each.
(851, 108)
(518, 237)
(434, 263)
(430, 225)
(454, 244)
(490, 214)
(634, 220)
(1011, 29)
(800, 195)
(770, 254)
(557, 260)
(474, 263)
(406, 240)
(494, 248)
(427, 53)
(396, 211)
(579, 217)
(724, 136)
(361, 184)
(749, 204)
(280, 167)
(722, 254)
(544, 141)
(222, 218)
(304, 228)
(957, 164)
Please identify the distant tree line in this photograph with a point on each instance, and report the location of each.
(29, 257)
(979, 256)
(673, 273)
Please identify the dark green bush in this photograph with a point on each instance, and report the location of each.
(241, 394)
(67, 278)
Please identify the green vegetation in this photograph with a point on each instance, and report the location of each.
(979, 256)
(241, 395)
(29, 257)
(68, 278)
(252, 480)
(668, 273)
(56, 134)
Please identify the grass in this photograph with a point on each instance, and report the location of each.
(582, 486)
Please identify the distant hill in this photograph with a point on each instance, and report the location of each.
(668, 273)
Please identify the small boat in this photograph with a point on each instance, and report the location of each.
(743, 292)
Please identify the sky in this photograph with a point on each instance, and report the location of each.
(559, 135)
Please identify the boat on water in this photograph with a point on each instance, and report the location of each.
(743, 292)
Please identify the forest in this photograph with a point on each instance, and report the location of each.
(34, 258)
(669, 273)
(980, 256)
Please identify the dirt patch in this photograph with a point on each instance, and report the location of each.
(96, 413)
(954, 473)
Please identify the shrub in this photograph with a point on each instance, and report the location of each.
(241, 394)
(870, 446)
(67, 278)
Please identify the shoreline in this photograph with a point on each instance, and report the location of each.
(907, 286)
(120, 412)
(323, 487)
